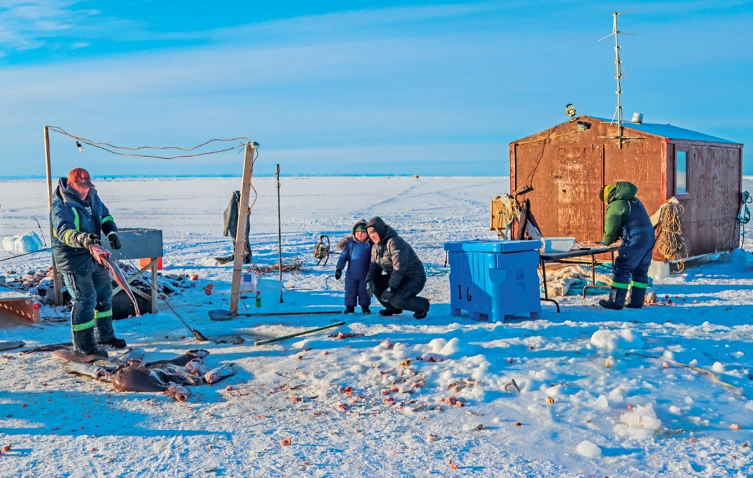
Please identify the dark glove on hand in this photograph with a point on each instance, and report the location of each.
(370, 288)
(86, 239)
(338, 274)
(387, 295)
(114, 240)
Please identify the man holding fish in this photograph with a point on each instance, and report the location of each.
(78, 219)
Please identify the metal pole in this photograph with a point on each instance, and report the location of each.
(619, 75)
(240, 233)
(298, 334)
(55, 276)
(279, 221)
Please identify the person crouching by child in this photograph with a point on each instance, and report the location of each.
(356, 252)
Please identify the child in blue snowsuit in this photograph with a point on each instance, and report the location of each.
(356, 251)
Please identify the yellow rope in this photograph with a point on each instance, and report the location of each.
(671, 244)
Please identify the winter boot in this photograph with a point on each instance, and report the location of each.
(365, 309)
(105, 334)
(637, 297)
(420, 315)
(390, 311)
(84, 343)
(349, 310)
(616, 299)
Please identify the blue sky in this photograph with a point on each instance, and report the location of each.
(354, 87)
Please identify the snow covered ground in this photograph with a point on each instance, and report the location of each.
(593, 400)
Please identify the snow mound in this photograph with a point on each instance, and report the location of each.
(455, 348)
(22, 244)
(640, 422)
(436, 345)
(588, 449)
(616, 339)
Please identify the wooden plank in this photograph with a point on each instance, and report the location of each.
(137, 274)
(155, 261)
(20, 306)
(55, 274)
(240, 233)
(143, 295)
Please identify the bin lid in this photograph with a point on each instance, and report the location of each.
(481, 245)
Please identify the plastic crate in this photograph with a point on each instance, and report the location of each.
(494, 280)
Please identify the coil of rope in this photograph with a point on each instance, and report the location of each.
(671, 244)
(506, 215)
(744, 215)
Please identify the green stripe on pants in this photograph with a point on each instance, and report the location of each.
(84, 326)
(99, 314)
(619, 285)
(639, 285)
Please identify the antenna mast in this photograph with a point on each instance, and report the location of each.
(619, 73)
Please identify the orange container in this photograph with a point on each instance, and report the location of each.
(144, 261)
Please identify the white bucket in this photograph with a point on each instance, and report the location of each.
(658, 270)
(270, 291)
(558, 244)
(248, 282)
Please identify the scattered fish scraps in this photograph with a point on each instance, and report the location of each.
(131, 373)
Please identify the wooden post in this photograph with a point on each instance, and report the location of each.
(55, 276)
(240, 233)
(154, 284)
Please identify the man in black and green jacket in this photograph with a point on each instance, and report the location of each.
(79, 218)
(627, 219)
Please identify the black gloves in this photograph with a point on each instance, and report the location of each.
(338, 274)
(86, 239)
(114, 240)
(387, 295)
(370, 288)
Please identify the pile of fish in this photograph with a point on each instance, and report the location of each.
(40, 282)
(130, 373)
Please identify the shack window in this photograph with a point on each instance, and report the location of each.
(681, 173)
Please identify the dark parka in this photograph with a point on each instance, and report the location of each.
(230, 217)
(394, 256)
(626, 218)
(69, 215)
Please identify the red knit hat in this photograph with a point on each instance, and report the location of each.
(80, 177)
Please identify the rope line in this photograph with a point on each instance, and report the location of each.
(26, 254)
(110, 147)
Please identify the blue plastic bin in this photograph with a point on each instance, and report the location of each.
(494, 280)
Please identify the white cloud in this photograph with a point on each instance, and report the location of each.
(32, 24)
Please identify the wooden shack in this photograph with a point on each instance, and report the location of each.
(567, 165)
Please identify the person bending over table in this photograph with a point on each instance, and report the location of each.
(626, 218)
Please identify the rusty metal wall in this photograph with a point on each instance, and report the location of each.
(566, 181)
(573, 166)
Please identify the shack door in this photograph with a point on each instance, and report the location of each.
(578, 181)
